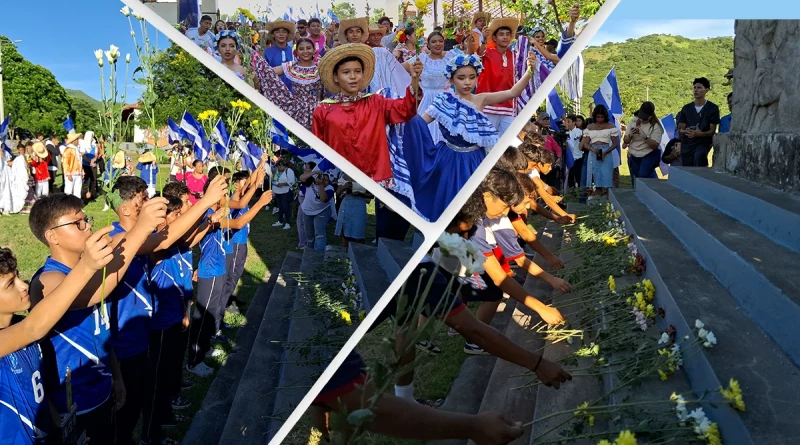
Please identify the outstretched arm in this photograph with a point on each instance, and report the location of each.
(515, 91)
(45, 315)
(248, 216)
(495, 271)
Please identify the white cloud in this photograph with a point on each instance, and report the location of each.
(621, 30)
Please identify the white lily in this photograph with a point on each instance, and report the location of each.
(711, 340)
(664, 338)
(126, 11)
(699, 324)
(452, 245)
(98, 54)
(114, 51)
(702, 333)
(127, 58)
(137, 16)
(475, 266)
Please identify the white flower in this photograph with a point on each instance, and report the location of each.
(699, 324)
(711, 340)
(126, 11)
(452, 244)
(475, 266)
(702, 333)
(100, 63)
(98, 54)
(138, 17)
(127, 58)
(114, 51)
(698, 415)
(472, 248)
(664, 338)
(703, 426)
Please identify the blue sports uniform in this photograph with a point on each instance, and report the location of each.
(23, 417)
(169, 289)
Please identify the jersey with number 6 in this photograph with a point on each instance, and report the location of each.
(81, 342)
(23, 414)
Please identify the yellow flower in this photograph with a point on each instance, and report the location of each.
(733, 394)
(625, 438)
(582, 412)
(612, 285)
(254, 123)
(604, 442)
(420, 32)
(346, 317)
(468, 6)
(446, 6)
(240, 104)
(663, 375)
(362, 315)
(640, 303)
(712, 435)
(649, 289)
(629, 300)
(610, 241)
(649, 311)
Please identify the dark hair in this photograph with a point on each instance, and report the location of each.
(129, 187)
(528, 186)
(174, 204)
(672, 143)
(502, 184)
(241, 174)
(196, 161)
(47, 209)
(434, 34)
(513, 160)
(175, 189)
(205, 17)
(502, 28)
(303, 39)
(553, 42)
(385, 19)
(530, 152)
(546, 156)
(345, 60)
(600, 110)
(572, 117)
(315, 20)
(235, 40)
(8, 262)
(437, 29)
(303, 22)
(473, 210)
(703, 81)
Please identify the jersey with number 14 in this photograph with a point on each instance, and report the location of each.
(81, 341)
(21, 396)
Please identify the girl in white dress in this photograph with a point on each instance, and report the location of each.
(433, 80)
(600, 139)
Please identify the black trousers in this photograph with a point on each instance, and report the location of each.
(134, 375)
(695, 158)
(574, 177)
(210, 303)
(167, 347)
(284, 206)
(90, 179)
(52, 180)
(235, 264)
(98, 423)
(388, 224)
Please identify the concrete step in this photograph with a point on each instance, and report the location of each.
(755, 270)
(245, 418)
(372, 279)
(774, 213)
(417, 240)
(548, 401)
(209, 421)
(686, 291)
(296, 374)
(393, 256)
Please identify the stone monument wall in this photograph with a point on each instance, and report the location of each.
(764, 142)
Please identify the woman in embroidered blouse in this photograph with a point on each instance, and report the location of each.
(306, 92)
(407, 47)
(438, 171)
(354, 123)
(433, 79)
(600, 139)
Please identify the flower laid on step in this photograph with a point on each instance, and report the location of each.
(701, 422)
(583, 412)
(712, 436)
(362, 315)
(680, 408)
(612, 285)
(665, 339)
(708, 337)
(641, 320)
(465, 250)
(733, 394)
(346, 317)
(625, 438)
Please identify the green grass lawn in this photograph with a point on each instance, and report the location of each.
(267, 247)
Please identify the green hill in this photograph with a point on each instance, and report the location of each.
(78, 94)
(666, 64)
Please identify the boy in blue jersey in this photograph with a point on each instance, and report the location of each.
(24, 417)
(132, 301)
(211, 277)
(80, 339)
(245, 185)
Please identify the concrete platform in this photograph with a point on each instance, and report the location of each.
(371, 278)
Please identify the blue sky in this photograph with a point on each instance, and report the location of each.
(62, 37)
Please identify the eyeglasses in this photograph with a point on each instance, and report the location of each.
(81, 224)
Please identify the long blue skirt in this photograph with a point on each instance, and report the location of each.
(437, 172)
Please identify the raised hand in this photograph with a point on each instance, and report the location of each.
(265, 198)
(551, 316)
(574, 13)
(98, 251)
(531, 60)
(416, 68)
(551, 374)
(217, 189)
(152, 214)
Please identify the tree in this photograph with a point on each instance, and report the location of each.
(344, 10)
(182, 83)
(85, 115)
(541, 14)
(377, 13)
(36, 101)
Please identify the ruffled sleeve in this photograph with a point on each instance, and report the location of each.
(462, 119)
(272, 87)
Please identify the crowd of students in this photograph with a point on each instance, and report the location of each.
(114, 311)
(495, 219)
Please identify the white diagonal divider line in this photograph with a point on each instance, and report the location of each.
(432, 231)
(274, 111)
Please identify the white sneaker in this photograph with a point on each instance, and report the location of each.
(201, 370)
(287, 226)
(277, 224)
(275, 211)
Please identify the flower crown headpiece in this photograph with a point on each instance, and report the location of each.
(225, 34)
(537, 29)
(461, 61)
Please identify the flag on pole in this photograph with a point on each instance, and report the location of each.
(196, 134)
(555, 109)
(174, 131)
(286, 17)
(68, 124)
(668, 124)
(4, 135)
(608, 95)
(332, 16)
(221, 140)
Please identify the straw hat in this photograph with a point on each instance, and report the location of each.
(119, 160)
(147, 157)
(377, 29)
(361, 22)
(332, 57)
(282, 24)
(481, 15)
(503, 22)
(72, 137)
(39, 150)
